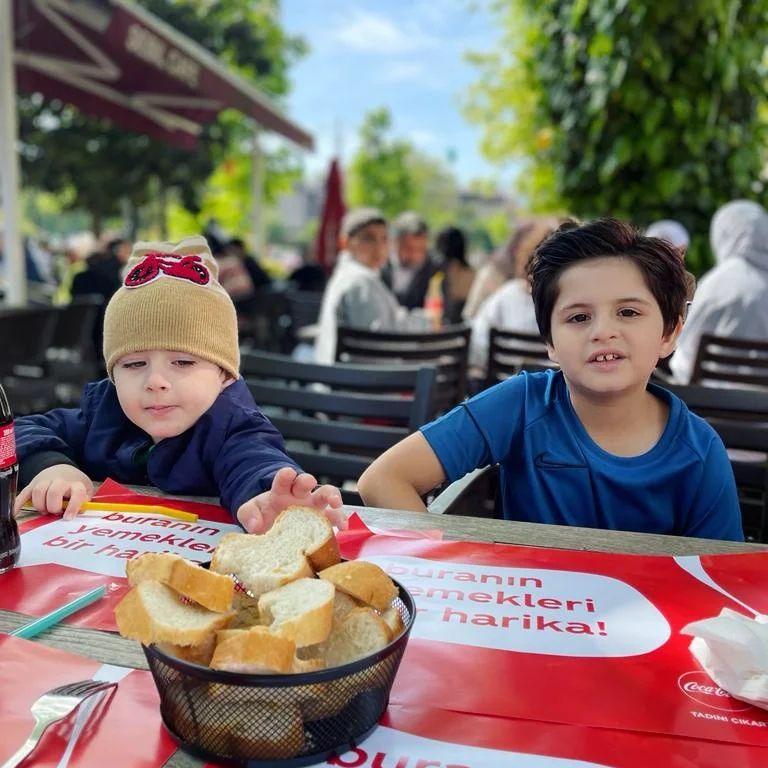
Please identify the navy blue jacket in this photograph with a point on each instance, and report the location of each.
(233, 451)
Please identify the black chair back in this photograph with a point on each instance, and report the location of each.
(73, 359)
(303, 310)
(510, 352)
(740, 417)
(447, 350)
(743, 362)
(337, 418)
(25, 336)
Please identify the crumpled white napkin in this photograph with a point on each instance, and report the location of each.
(733, 650)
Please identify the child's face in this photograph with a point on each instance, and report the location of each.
(607, 328)
(165, 393)
(370, 246)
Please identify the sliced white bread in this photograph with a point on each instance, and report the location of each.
(301, 610)
(249, 738)
(364, 581)
(343, 604)
(246, 615)
(260, 563)
(253, 651)
(361, 633)
(311, 531)
(213, 591)
(248, 729)
(307, 665)
(394, 622)
(195, 654)
(153, 613)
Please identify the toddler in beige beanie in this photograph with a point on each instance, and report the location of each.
(174, 412)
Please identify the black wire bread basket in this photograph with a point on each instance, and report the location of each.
(282, 720)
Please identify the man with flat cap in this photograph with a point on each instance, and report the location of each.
(410, 267)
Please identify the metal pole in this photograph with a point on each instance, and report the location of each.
(257, 197)
(13, 253)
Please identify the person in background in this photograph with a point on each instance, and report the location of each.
(593, 444)
(673, 232)
(259, 277)
(677, 235)
(511, 306)
(310, 276)
(356, 296)
(451, 247)
(501, 266)
(411, 266)
(174, 412)
(732, 298)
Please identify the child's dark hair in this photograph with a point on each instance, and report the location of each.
(571, 243)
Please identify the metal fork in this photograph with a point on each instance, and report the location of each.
(53, 706)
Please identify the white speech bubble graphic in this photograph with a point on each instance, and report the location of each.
(103, 544)
(560, 613)
(387, 746)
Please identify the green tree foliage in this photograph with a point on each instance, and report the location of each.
(95, 165)
(626, 107)
(379, 174)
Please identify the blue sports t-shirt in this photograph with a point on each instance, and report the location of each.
(551, 471)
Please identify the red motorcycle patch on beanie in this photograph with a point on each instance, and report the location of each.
(155, 264)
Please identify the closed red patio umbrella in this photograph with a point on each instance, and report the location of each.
(326, 246)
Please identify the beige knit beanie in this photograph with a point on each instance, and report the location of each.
(171, 299)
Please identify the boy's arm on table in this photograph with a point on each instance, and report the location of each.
(290, 488)
(402, 475)
(47, 439)
(257, 479)
(47, 445)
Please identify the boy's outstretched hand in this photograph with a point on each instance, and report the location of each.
(52, 486)
(291, 489)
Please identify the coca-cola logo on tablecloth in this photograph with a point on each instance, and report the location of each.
(700, 687)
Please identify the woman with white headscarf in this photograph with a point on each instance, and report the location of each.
(732, 298)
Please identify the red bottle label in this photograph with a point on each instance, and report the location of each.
(7, 446)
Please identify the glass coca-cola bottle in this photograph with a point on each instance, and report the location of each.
(10, 544)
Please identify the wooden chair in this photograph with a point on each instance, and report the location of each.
(447, 350)
(743, 362)
(337, 418)
(740, 417)
(510, 352)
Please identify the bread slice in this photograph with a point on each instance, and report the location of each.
(394, 622)
(247, 736)
(284, 738)
(211, 590)
(194, 654)
(301, 610)
(253, 651)
(364, 581)
(309, 530)
(343, 604)
(153, 613)
(361, 633)
(260, 563)
(300, 542)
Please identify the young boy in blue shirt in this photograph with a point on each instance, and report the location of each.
(174, 412)
(592, 444)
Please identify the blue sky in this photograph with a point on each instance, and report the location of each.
(406, 55)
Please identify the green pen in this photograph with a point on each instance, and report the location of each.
(54, 617)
